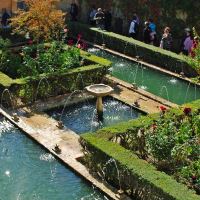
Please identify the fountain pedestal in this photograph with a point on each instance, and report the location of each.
(99, 90)
(99, 107)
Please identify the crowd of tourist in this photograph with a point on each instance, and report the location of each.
(103, 18)
(149, 36)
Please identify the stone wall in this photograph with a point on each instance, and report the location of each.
(10, 5)
(178, 14)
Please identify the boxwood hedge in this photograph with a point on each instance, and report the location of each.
(145, 181)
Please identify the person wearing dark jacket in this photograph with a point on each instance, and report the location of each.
(108, 20)
(100, 17)
(73, 11)
(4, 19)
(147, 33)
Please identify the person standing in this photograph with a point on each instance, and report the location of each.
(4, 19)
(147, 33)
(166, 41)
(73, 11)
(92, 15)
(108, 20)
(133, 29)
(195, 44)
(152, 26)
(187, 42)
(99, 17)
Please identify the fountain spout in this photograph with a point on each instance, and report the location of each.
(103, 46)
(136, 103)
(99, 91)
(134, 86)
(60, 125)
(15, 117)
(182, 75)
(120, 194)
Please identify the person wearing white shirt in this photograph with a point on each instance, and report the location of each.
(133, 30)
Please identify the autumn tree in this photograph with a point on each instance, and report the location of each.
(42, 21)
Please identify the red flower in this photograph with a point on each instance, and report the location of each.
(79, 46)
(187, 111)
(65, 30)
(70, 42)
(194, 177)
(79, 36)
(30, 42)
(154, 126)
(163, 109)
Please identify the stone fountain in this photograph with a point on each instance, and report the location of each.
(99, 91)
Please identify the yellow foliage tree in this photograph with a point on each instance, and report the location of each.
(41, 20)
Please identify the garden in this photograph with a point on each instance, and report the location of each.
(171, 143)
(153, 157)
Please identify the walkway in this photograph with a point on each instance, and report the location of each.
(148, 102)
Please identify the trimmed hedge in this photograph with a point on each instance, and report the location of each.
(95, 59)
(146, 182)
(73, 79)
(151, 54)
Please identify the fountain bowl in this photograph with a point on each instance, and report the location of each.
(99, 90)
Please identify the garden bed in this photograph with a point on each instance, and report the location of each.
(40, 71)
(126, 143)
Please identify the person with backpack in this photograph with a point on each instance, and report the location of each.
(134, 27)
(152, 26)
(166, 41)
(100, 17)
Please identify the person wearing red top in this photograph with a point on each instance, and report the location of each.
(194, 46)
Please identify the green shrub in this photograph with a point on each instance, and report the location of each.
(138, 177)
(38, 59)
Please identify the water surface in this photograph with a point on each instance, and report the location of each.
(82, 117)
(28, 172)
(158, 83)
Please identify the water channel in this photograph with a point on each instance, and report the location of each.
(28, 172)
(158, 83)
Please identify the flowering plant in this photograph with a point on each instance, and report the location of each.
(163, 109)
(187, 111)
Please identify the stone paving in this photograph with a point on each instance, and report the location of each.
(148, 102)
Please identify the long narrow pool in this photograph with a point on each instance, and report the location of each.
(158, 83)
(28, 172)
